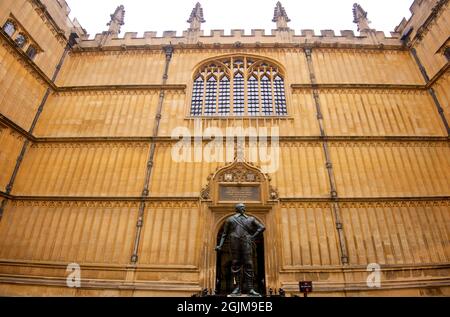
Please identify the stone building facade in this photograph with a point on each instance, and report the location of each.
(90, 173)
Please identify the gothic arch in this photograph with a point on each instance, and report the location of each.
(238, 85)
(215, 210)
(239, 174)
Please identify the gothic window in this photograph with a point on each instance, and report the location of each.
(21, 40)
(447, 53)
(31, 52)
(238, 86)
(9, 28)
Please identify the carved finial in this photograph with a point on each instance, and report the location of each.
(360, 18)
(196, 19)
(117, 20)
(280, 17)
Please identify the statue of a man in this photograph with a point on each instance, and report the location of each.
(242, 231)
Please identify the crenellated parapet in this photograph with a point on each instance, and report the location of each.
(423, 14)
(240, 39)
(282, 36)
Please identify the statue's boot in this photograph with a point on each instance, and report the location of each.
(250, 287)
(237, 282)
(252, 292)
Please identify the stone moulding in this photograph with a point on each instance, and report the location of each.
(394, 273)
(276, 36)
(194, 201)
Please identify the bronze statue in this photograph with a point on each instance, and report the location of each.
(242, 231)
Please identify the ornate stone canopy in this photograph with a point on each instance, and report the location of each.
(239, 181)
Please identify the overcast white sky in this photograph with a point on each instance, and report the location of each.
(171, 15)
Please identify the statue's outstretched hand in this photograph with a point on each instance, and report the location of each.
(218, 248)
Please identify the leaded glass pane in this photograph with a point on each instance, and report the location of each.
(253, 97)
(266, 96)
(224, 96)
(239, 105)
(280, 97)
(197, 97)
(211, 97)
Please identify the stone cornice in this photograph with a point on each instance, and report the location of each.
(367, 201)
(168, 286)
(119, 87)
(167, 139)
(200, 46)
(363, 268)
(181, 200)
(360, 86)
(13, 126)
(5, 195)
(397, 284)
(102, 266)
(438, 76)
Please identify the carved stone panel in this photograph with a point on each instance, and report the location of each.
(240, 193)
(239, 182)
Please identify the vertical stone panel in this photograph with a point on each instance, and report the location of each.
(391, 169)
(11, 144)
(86, 169)
(308, 236)
(81, 232)
(99, 113)
(171, 234)
(112, 68)
(20, 91)
(397, 232)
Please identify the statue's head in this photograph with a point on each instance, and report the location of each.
(240, 208)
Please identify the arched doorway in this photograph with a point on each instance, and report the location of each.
(224, 284)
(235, 183)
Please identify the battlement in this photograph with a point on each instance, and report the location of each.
(282, 36)
(58, 11)
(238, 38)
(422, 11)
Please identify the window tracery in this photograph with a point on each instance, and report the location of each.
(238, 86)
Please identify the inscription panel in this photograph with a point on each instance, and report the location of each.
(240, 193)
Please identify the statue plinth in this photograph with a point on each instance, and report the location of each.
(244, 296)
